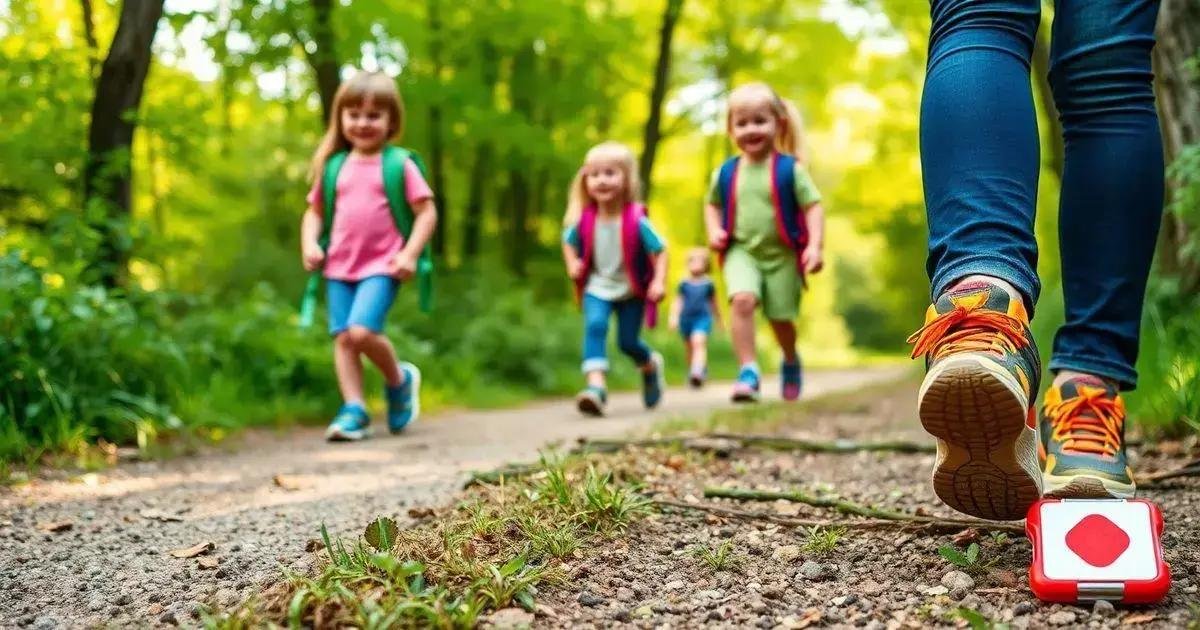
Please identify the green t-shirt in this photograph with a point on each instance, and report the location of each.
(756, 230)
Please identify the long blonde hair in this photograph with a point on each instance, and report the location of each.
(790, 137)
(376, 88)
(616, 152)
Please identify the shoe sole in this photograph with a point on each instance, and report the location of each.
(589, 406)
(696, 382)
(986, 452)
(745, 397)
(415, 374)
(334, 434)
(1086, 487)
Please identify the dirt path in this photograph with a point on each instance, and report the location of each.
(111, 566)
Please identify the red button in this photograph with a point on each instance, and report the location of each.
(1097, 540)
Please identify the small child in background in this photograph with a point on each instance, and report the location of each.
(619, 264)
(764, 217)
(362, 248)
(694, 313)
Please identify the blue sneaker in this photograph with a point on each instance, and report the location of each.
(404, 401)
(792, 379)
(349, 425)
(591, 401)
(697, 377)
(653, 382)
(746, 389)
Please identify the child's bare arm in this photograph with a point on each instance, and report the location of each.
(656, 290)
(813, 256)
(676, 310)
(717, 237)
(718, 323)
(573, 261)
(404, 265)
(310, 231)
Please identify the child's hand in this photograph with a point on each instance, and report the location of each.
(575, 269)
(403, 265)
(312, 256)
(813, 259)
(673, 323)
(655, 291)
(718, 239)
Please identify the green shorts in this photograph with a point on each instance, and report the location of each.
(774, 283)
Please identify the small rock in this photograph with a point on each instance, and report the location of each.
(1103, 608)
(786, 553)
(154, 609)
(1061, 618)
(937, 590)
(813, 571)
(1023, 608)
(588, 598)
(710, 594)
(510, 618)
(643, 612)
(844, 600)
(122, 599)
(625, 594)
(623, 616)
(957, 580)
(674, 585)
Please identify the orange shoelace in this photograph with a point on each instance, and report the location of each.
(969, 330)
(1098, 433)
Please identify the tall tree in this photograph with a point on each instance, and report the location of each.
(108, 172)
(436, 150)
(1178, 86)
(658, 92)
(489, 75)
(320, 49)
(89, 36)
(523, 84)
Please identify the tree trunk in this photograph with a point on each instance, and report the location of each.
(436, 154)
(324, 59)
(108, 171)
(482, 166)
(1179, 106)
(522, 90)
(658, 92)
(89, 36)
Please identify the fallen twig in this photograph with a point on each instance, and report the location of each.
(1190, 469)
(493, 477)
(723, 442)
(936, 525)
(849, 507)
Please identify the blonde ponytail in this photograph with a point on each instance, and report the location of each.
(790, 136)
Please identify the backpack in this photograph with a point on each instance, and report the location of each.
(393, 159)
(638, 265)
(789, 219)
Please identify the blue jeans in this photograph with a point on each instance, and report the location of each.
(980, 160)
(363, 303)
(596, 313)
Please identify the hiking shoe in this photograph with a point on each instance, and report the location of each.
(976, 399)
(349, 424)
(1083, 441)
(789, 374)
(404, 401)
(591, 401)
(654, 382)
(697, 377)
(746, 389)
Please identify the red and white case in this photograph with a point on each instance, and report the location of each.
(1090, 549)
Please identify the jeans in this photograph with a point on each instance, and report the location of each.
(980, 161)
(596, 313)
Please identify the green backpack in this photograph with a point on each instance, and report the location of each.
(394, 159)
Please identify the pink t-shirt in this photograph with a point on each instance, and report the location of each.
(364, 236)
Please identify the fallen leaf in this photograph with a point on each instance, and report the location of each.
(56, 526)
(543, 610)
(291, 484)
(159, 515)
(154, 609)
(194, 550)
(966, 537)
(811, 616)
(993, 591)
(676, 462)
(381, 533)
(1133, 620)
(421, 512)
(208, 562)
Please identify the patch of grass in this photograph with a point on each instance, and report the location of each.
(975, 619)
(493, 550)
(969, 560)
(823, 541)
(721, 558)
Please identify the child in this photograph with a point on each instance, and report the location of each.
(693, 313)
(364, 254)
(618, 263)
(765, 218)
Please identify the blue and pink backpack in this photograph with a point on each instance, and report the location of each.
(789, 216)
(638, 264)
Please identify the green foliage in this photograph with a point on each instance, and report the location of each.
(823, 541)
(975, 619)
(970, 560)
(720, 558)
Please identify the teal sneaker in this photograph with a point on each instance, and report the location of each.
(793, 380)
(1083, 442)
(653, 382)
(404, 401)
(746, 389)
(349, 425)
(591, 401)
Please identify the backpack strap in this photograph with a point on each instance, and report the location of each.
(312, 290)
(394, 159)
(789, 217)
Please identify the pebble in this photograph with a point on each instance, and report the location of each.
(957, 580)
(710, 594)
(1103, 608)
(625, 594)
(937, 590)
(1061, 618)
(511, 618)
(844, 600)
(786, 553)
(813, 571)
(674, 585)
(1023, 608)
(588, 598)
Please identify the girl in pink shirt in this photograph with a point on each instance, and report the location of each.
(367, 257)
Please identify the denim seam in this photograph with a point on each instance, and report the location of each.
(1098, 367)
(987, 265)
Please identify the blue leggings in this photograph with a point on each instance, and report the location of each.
(596, 313)
(980, 160)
